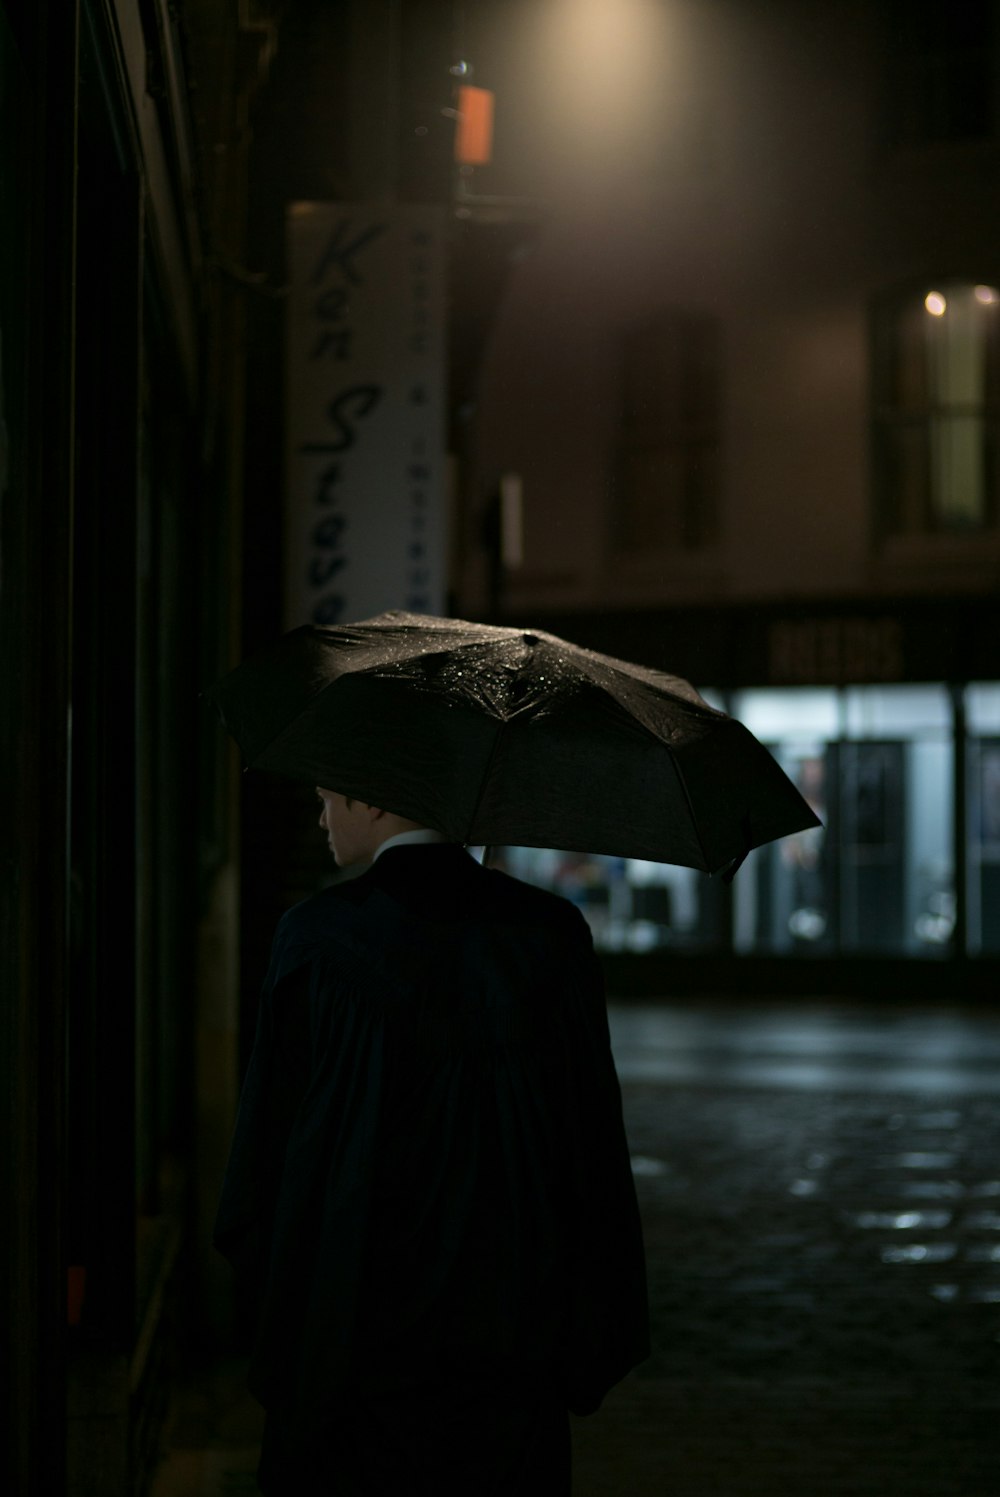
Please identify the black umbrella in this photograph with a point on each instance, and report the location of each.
(507, 737)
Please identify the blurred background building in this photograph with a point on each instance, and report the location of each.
(694, 357)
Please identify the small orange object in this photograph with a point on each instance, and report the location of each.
(474, 135)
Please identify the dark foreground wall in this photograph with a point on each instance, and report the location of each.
(118, 909)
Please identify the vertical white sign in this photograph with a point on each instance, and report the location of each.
(366, 411)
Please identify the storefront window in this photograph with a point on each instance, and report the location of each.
(983, 817)
(630, 904)
(877, 764)
(897, 878)
(782, 894)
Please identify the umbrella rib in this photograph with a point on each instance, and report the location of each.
(690, 805)
(261, 751)
(484, 781)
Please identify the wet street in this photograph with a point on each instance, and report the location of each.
(820, 1187)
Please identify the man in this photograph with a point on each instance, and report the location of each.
(429, 1191)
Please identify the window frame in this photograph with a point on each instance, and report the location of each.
(900, 525)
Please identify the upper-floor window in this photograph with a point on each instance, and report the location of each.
(937, 408)
(941, 83)
(667, 471)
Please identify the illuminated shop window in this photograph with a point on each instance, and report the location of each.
(629, 904)
(877, 765)
(982, 841)
(782, 898)
(897, 880)
(937, 409)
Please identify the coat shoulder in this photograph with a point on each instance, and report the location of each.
(528, 901)
(314, 922)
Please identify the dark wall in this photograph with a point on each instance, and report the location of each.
(37, 68)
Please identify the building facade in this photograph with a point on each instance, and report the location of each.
(746, 387)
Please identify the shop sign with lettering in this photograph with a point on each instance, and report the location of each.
(365, 413)
(834, 651)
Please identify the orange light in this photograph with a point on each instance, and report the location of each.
(474, 135)
(935, 303)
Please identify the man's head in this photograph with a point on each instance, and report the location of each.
(355, 831)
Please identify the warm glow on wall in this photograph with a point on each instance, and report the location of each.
(605, 43)
(609, 73)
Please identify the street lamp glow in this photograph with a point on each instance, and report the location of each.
(935, 303)
(608, 66)
(987, 296)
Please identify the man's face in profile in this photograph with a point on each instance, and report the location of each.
(348, 826)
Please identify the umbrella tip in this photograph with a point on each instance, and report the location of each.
(740, 859)
(734, 867)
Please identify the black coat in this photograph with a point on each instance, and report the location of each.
(429, 1176)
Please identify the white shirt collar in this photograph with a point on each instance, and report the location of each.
(408, 839)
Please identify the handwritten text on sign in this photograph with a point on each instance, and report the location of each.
(365, 423)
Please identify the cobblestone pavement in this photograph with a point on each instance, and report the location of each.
(820, 1189)
(821, 1198)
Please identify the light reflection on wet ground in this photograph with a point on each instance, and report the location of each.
(820, 1188)
(814, 1046)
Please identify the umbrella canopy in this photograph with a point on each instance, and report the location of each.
(510, 737)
